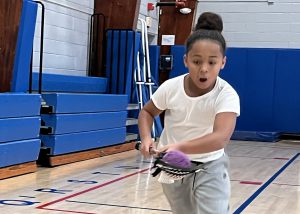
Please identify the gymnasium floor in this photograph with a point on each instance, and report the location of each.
(265, 178)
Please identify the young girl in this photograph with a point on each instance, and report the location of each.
(200, 116)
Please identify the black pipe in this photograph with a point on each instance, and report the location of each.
(93, 52)
(103, 49)
(30, 74)
(111, 60)
(41, 45)
(91, 47)
(95, 63)
(161, 4)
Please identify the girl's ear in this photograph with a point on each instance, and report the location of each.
(224, 62)
(185, 60)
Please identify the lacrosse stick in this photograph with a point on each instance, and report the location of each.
(173, 165)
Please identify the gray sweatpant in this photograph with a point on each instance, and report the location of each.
(206, 192)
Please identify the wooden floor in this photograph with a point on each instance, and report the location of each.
(265, 178)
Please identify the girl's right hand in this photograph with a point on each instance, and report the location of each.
(148, 148)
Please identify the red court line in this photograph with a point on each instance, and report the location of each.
(88, 190)
(281, 158)
(248, 182)
(251, 182)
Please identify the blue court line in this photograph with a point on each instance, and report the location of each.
(252, 197)
(114, 205)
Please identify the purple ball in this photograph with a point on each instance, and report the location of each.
(177, 158)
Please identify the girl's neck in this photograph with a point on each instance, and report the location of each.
(192, 90)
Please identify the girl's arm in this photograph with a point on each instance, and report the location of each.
(224, 125)
(145, 122)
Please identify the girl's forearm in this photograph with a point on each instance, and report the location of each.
(208, 143)
(145, 122)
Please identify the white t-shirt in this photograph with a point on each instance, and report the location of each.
(187, 118)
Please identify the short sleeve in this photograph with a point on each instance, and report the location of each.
(228, 101)
(159, 98)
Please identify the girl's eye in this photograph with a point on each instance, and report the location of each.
(197, 62)
(212, 63)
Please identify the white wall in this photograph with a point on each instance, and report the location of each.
(66, 36)
(153, 29)
(247, 23)
(260, 23)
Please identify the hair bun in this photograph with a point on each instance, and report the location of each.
(209, 21)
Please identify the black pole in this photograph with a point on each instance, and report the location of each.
(103, 49)
(41, 45)
(30, 74)
(94, 42)
(91, 45)
(165, 4)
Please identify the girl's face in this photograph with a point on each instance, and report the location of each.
(204, 61)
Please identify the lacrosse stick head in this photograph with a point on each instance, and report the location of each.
(173, 165)
(177, 158)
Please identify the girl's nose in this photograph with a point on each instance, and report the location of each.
(204, 68)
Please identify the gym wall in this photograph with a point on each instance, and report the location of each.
(258, 23)
(65, 37)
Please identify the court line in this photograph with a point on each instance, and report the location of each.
(265, 185)
(114, 205)
(264, 158)
(265, 146)
(68, 211)
(88, 190)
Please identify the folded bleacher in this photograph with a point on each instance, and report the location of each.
(19, 133)
(78, 122)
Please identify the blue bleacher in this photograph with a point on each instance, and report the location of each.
(69, 123)
(18, 152)
(73, 113)
(67, 83)
(81, 122)
(19, 128)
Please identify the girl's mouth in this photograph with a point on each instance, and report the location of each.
(203, 79)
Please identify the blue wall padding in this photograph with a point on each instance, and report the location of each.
(131, 63)
(256, 136)
(22, 128)
(120, 63)
(24, 47)
(67, 83)
(74, 142)
(84, 103)
(154, 53)
(68, 123)
(18, 152)
(286, 97)
(259, 90)
(178, 69)
(19, 105)
(251, 73)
